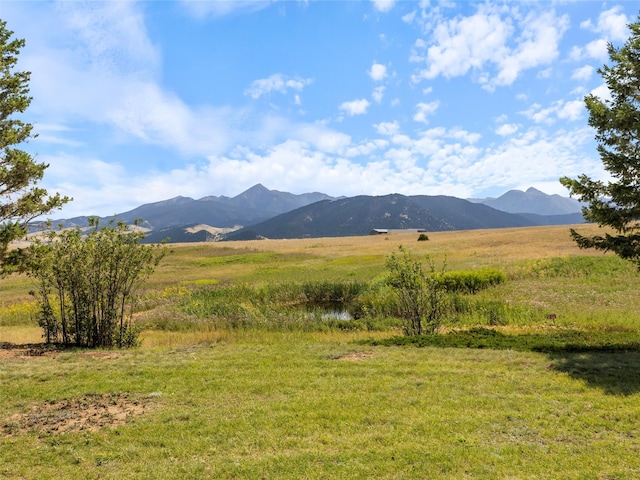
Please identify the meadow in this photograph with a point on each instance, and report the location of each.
(536, 377)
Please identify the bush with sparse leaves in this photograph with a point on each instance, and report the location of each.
(421, 295)
(86, 283)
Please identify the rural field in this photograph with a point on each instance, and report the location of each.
(534, 377)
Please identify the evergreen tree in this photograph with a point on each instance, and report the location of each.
(615, 203)
(20, 199)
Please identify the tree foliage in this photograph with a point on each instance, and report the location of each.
(421, 295)
(615, 203)
(87, 282)
(20, 199)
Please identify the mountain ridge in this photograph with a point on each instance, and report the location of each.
(532, 201)
(262, 213)
(362, 214)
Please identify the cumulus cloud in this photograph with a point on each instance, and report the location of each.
(378, 72)
(493, 43)
(583, 73)
(387, 128)
(611, 23)
(276, 83)
(559, 110)
(378, 93)
(507, 129)
(423, 110)
(597, 49)
(434, 161)
(355, 107)
(112, 85)
(383, 5)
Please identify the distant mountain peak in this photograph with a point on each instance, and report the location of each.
(532, 201)
(257, 188)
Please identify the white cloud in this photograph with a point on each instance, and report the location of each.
(435, 161)
(602, 92)
(597, 49)
(612, 26)
(464, 43)
(218, 8)
(276, 83)
(611, 23)
(387, 128)
(150, 114)
(85, 74)
(366, 149)
(583, 74)
(355, 107)
(572, 110)
(409, 17)
(425, 109)
(113, 85)
(507, 129)
(378, 93)
(378, 72)
(486, 41)
(319, 137)
(537, 45)
(383, 5)
(560, 109)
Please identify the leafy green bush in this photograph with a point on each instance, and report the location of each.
(420, 295)
(87, 283)
(423, 237)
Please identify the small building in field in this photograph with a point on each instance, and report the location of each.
(387, 231)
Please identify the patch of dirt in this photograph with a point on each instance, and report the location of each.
(354, 356)
(14, 350)
(87, 413)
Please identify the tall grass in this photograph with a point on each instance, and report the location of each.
(546, 280)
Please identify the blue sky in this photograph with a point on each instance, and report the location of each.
(137, 102)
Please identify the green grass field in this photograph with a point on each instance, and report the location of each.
(539, 379)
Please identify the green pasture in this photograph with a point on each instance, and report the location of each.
(535, 376)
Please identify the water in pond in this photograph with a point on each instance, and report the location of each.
(330, 311)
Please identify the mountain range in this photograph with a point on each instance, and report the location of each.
(262, 213)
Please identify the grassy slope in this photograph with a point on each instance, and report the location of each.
(277, 405)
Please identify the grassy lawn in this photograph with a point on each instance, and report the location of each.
(320, 406)
(210, 402)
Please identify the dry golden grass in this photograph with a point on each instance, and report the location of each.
(20, 335)
(462, 249)
(481, 247)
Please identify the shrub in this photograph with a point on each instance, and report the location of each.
(423, 237)
(86, 283)
(420, 295)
